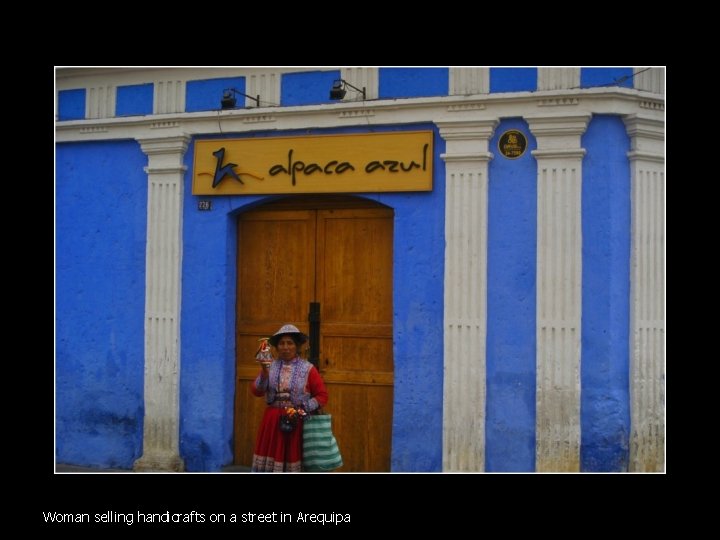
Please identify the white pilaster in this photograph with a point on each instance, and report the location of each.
(263, 83)
(558, 78)
(559, 273)
(362, 78)
(169, 96)
(163, 259)
(650, 80)
(466, 206)
(100, 101)
(647, 286)
(468, 81)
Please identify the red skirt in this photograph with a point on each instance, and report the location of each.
(277, 451)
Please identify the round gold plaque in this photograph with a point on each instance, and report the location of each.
(512, 144)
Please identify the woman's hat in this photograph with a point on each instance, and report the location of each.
(285, 330)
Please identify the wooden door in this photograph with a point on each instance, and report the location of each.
(337, 252)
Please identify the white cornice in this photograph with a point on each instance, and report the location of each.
(165, 125)
(356, 113)
(477, 156)
(577, 153)
(165, 145)
(575, 103)
(645, 156)
(464, 130)
(259, 119)
(93, 129)
(465, 107)
(647, 137)
(652, 104)
(165, 170)
(165, 155)
(467, 140)
(650, 127)
(559, 102)
(80, 77)
(70, 72)
(570, 124)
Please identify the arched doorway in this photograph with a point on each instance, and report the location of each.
(336, 251)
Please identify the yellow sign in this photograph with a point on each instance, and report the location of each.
(369, 162)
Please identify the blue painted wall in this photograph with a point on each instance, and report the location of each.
(605, 411)
(307, 87)
(207, 384)
(134, 100)
(101, 201)
(413, 82)
(207, 377)
(615, 76)
(513, 79)
(205, 95)
(71, 104)
(511, 342)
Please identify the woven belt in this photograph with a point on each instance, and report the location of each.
(283, 402)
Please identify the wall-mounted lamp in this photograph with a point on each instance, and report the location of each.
(338, 90)
(228, 100)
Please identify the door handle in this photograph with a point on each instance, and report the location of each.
(314, 320)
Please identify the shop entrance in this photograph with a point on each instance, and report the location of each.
(336, 252)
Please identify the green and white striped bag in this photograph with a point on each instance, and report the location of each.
(320, 449)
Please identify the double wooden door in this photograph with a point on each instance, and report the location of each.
(337, 252)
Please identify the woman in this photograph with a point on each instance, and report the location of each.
(288, 381)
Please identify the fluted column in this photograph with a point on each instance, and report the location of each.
(650, 80)
(466, 207)
(169, 96)
(100, 101)
(559, 287)
(558, 78)
(163, 258)
(647, 286)
(466, 81)
(264, 83)
(367, 78)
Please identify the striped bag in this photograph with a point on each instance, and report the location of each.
(320, 449)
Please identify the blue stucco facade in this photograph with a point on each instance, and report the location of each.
(208, 322)
(135, 99)
(101, 236)
(512, 232)
(605, 412)
(205, 95)
(307, 88)
(513, 80)
(101, 204)
(610, 76)
(412, 82)
(71, 104)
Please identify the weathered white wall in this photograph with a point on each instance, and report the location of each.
(367, 78)
(168, 95)
(651, 80)
(468, 81)
(647, 308)
(100, 102)
(558, 78)
(161, 449)
(466, 203)
(559, 285)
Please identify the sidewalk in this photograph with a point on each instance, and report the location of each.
(63, 468)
